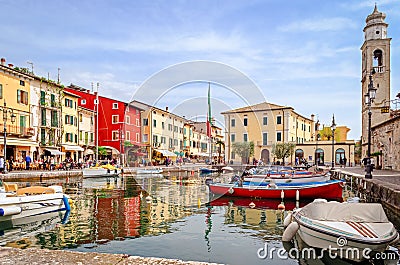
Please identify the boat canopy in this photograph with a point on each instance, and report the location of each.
(344, 212)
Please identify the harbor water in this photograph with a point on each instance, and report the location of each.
(170, 216)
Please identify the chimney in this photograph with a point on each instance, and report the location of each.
(10, 65)
(3, 61)
(166, 108)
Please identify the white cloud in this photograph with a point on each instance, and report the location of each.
(324, 24)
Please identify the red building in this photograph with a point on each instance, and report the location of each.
(118, 127)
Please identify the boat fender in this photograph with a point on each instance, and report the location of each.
(11, 210)
(252, 205)
(108, 171)
(149, 199)
(115, 171)
(231, 190)
(287, 220)
(290, 232)
(66, 203)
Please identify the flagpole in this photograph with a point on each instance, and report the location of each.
(209, 124)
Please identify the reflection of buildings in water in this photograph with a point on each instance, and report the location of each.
(171, 201)
(266, 220)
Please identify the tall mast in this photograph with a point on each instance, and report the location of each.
(97, 124)
(209, 124)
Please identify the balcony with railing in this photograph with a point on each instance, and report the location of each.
(20, 131)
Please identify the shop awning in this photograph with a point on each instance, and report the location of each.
(54, 152)
(88, 152)
(72, 148)
(113, 150)
(165, 152)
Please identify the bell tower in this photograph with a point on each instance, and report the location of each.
(376, 62)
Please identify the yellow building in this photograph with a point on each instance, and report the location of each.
(70, 127)
(265, 124)
(15, 106)
(162, 132)
(326, 150)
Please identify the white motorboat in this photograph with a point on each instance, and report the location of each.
(21, 203)
(101, 171)
(352, 230)
(149, 171)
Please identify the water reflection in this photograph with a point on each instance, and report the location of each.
(169, 216)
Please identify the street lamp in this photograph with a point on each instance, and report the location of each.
(333, 127)
(316, 144)
(369, 98)
(6, 111)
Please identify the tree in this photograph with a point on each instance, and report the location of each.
(283, 150)
(102, 151)
(244, 150)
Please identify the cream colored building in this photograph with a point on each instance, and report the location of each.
(265, 124)
(70, 127)
(162, 132)
(46, 117)
(86, 126)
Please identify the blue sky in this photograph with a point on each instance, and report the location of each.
(300, 53)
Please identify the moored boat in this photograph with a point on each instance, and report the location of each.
(331, 189)
(101, 171)
(205, 170)
(281, 174)
(349, 228)
(149, 171)
(20, 203)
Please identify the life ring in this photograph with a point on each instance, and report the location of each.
(268, 174)
(282, 175)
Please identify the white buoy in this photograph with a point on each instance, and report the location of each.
(290, 232)
(287, 220)
(297, 195)
(149, 199)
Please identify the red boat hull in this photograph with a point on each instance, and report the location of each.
(329, 190)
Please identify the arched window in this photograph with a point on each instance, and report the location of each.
(319, 154)
(299, 153)
(340, 155)
(378, 61)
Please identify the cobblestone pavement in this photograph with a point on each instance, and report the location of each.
(390, 177)
(31, 256)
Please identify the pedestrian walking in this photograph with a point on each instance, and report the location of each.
(28, 162)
